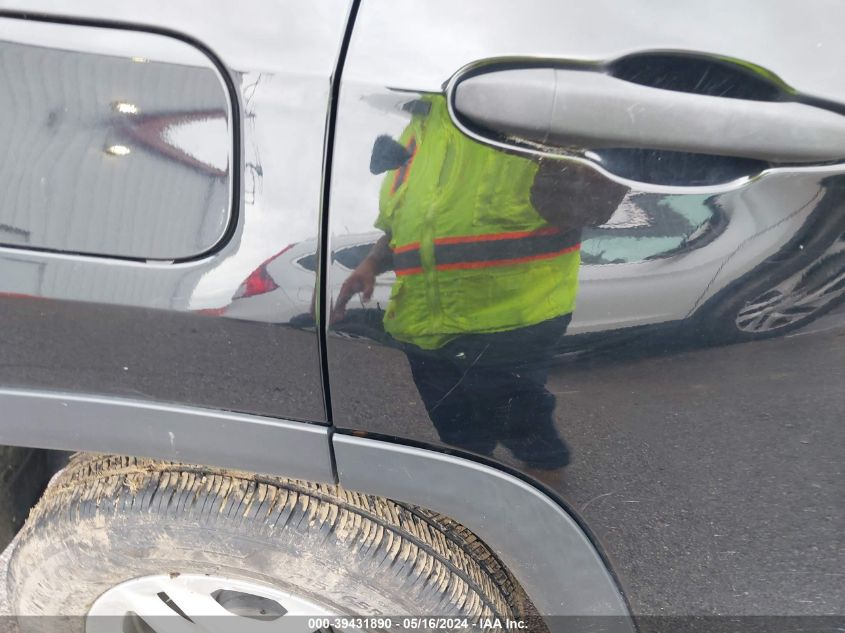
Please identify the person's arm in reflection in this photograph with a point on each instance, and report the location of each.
(363, 278)
(570, 195)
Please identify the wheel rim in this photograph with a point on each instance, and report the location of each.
(191, 603)
(799, 297)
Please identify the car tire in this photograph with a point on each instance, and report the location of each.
(105, 520)
(721, 322)
(812, 262)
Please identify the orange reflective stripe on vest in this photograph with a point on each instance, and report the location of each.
(482, 251)
(402, 173)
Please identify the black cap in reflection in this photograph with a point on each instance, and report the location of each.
(485, 246)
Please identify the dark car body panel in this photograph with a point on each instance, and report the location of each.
(707, 451)
(157, 329)
(707, 466)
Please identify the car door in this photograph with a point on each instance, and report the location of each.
(698, 386)
(158, 160)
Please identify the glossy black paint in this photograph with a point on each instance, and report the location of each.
(707, 464)
(700, 443)
(199, 330)
(160, 356)
(710, 477)
(704, 460)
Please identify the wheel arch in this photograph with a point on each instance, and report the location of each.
(541, 545)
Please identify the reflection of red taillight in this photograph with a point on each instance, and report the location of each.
(259, 280)
(257, 283)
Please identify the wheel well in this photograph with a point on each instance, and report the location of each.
(535, 538)
(24, 475)
(85, 469)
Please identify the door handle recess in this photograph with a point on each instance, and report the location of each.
(592, 110)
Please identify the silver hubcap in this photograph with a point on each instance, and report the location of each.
(191, 603)
(798, 297)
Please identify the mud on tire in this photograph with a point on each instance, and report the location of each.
(107, 519)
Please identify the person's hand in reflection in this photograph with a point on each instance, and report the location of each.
(363, 279)
(485, 246)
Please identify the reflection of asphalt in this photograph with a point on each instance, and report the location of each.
(703, 475)
(712, 478)
(163, 356)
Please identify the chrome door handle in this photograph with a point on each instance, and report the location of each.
(592, 110)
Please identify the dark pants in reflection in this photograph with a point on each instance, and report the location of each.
(480, 389)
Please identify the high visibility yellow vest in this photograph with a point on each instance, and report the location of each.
(471, 254)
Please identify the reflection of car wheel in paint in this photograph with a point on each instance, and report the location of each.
(771, 307)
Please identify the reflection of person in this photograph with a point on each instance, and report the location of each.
(485, 247)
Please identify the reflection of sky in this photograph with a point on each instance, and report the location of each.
(419, 44)
(292, 49)
(140, 47)
(270, 36)
(283, 157)
(293, 45)
(362, 118)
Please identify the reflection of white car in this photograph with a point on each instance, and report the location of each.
(279, 286)
(783, 285)
(653, 254)
(283, 285)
